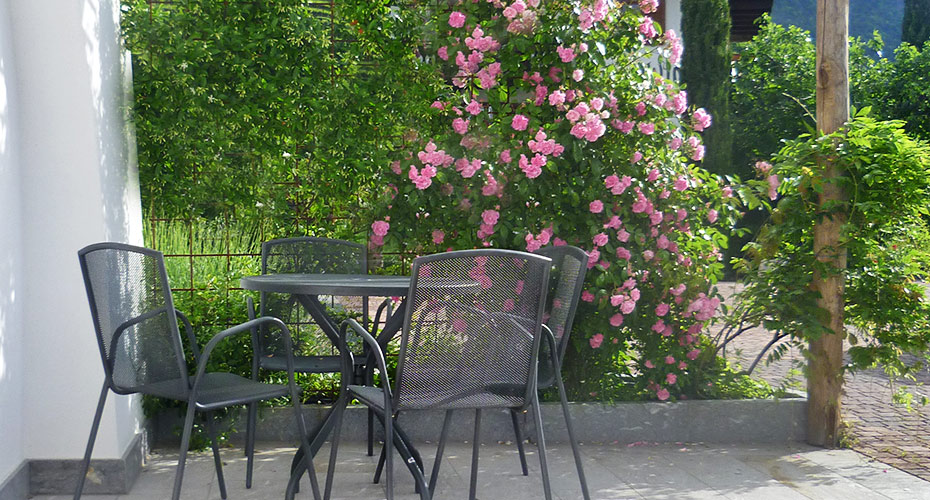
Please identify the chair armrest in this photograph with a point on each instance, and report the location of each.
(376, 352)
(189, 330)
(382, 307)
(549, 338)
(211, 345)
(118, 332)
(256, 348)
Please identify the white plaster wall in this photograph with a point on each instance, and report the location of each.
(78, 186)
(11, 258)
(673, 15)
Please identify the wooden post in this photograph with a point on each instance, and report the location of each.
(825, 381)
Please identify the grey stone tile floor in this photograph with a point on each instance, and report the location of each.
(614, 471)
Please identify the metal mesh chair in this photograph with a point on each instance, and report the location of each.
(566, 281)
(470, 341)
(301, 255)
(140, 344)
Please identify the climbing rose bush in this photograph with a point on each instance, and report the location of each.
(554, 131)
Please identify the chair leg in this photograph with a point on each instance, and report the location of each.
(217, 461)
(380, 468)
(371, 432)
(250, 443)
(334, 447)
(518, 435)
(85, 464)
(434, 475)
(571, 437)
(411, 457)
(185, 443)
(389, 454)
(305, 454)
(541, 443)
(473, 485)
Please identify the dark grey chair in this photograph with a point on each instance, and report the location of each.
(470, 340)
(566, 282)
(304, 255)
(141, 348)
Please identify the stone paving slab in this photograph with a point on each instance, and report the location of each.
(625, 471)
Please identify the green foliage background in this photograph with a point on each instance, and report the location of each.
(244, 101)
(886, 181)
(915, 28)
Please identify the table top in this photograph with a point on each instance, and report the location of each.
(329, 284)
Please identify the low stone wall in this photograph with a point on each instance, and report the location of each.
(718, 421)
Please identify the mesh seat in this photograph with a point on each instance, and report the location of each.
(471, 339)
(140, 345)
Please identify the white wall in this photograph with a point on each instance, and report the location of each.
(77, 185)
(673, 15)
(11, 256)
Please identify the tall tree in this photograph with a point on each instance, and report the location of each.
(705, 69)
(825, 377)
(915, 29)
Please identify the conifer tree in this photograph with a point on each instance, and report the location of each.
(705, 69)
(915, 29)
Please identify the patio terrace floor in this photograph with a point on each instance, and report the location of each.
(614, 471)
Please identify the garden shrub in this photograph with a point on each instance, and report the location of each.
(886, 183)
(552, 130)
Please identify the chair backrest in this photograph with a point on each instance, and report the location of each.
(471, 330)
(313, 255)
(306, 255)
(566, 282)
(134, 317)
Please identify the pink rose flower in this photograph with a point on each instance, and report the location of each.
(587, 296)
(647, 28)
(662, 394)
(490, 217)
(596, 340)
(578, 75)
(700, 120)
(596, 206)
(773, 186)
(519, 122)
(456, 19)
(438, 236)
(662, 309)
(460, 126)
(671, 378)
(616, 320)
(600, 239)
(380, 228)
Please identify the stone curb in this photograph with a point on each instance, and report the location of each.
(716, 421)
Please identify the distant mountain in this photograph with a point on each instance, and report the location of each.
(865, 16)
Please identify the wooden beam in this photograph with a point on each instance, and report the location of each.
(825, 379)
